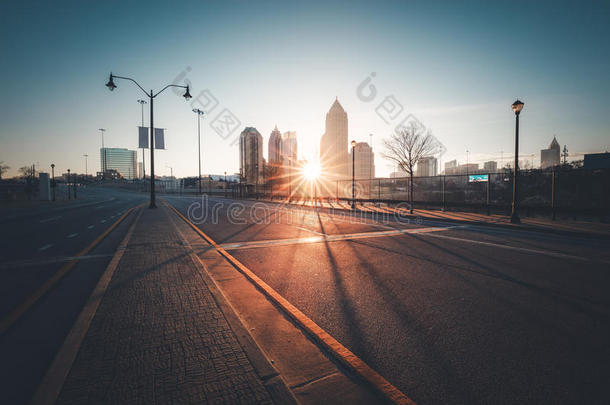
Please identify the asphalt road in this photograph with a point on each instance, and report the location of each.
(35, 242)
(447, 313)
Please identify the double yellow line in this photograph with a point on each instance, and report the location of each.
(8, 321)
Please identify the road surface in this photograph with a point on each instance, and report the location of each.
(448, 313)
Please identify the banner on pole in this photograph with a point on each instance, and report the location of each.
(142, 137)
(159, 138)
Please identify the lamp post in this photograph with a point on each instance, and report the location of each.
(151, 96)
(68, 184)
(353, 175)
(86, 156)
(514, 217)
(199, 114)
(103, 165)
(226, 185)
(53, 179)
(142, 102)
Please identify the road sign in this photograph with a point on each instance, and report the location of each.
(478, 178)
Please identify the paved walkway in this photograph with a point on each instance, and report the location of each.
(158, 335)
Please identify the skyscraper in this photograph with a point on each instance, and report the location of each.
(124, 161)
(251, 156)
(363, 161)
(275, 147)
(333, 146)
(550, 157)
(289, 146)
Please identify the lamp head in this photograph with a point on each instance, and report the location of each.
(187, 94)
(517, 106)
(111, 86)
(52, 165)
(353, 144)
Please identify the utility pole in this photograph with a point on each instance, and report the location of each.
(86, 156)
(103, 165)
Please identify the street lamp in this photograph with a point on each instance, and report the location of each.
(86, 171)
(514, 218)
(151, 96)
(142, 102)
(353, 175)
(199, 114)
(53, 179)
(68, 184)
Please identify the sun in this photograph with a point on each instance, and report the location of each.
(311, 170)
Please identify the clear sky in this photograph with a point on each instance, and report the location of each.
(456, 66)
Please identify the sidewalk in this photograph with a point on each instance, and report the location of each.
(156, 334)
(527, 223)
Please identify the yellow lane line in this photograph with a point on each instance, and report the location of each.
(336, 349)
(26, 304)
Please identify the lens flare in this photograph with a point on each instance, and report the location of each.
(311, 170)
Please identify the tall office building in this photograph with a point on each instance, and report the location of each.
(275, 147)
(426, 166)
(550, 157)
(364, 161)
(334, 146)
(289, 146)
(251, 156)
(490, 166)
(124, 161)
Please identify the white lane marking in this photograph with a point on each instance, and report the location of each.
(42, 221)
(72, 235)
(100, 207)
(45, 247)
(90, 226)
(521, 249)
(310, 230)
(329, 238)
(102, 221)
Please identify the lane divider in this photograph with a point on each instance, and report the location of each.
(323, 338)
(9, 320)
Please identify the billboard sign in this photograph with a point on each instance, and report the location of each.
(478, 178)
(143, 136)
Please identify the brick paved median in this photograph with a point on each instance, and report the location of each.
(158, 335)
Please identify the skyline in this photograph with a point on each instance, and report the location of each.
(461, 86)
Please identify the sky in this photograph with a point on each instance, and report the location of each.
(454, 66)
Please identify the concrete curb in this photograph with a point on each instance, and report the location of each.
(339, 352)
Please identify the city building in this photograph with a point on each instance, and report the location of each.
(251, 162)
(426, 166)
(450, 167)
(334, 144)
(597, 161)
(490, 166)
(364, 161)
(122, 160)
(275, 147)
(289, 146)
(550, 157)
(398, 174)
(140, 170)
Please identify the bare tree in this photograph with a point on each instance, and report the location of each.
(26, 171)
(3, 169)
(406, 147)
